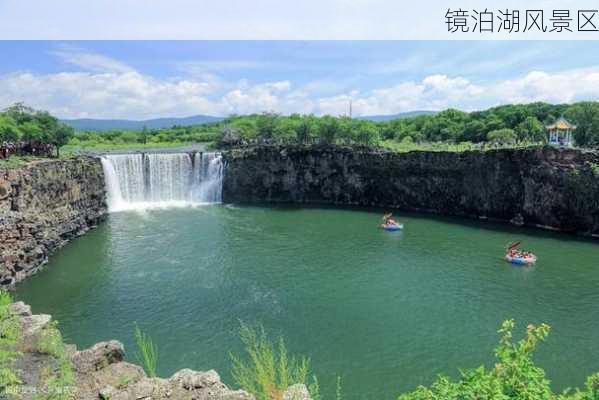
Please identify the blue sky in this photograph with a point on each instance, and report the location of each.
(146, 79)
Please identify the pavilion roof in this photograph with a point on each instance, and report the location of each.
(561, 124)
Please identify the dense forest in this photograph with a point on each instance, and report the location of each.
(508, 124)
(29, 130)
(25, 131)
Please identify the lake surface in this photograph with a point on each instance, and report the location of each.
(385, 311)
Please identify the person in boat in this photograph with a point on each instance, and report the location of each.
(513, 252)
(388, 220)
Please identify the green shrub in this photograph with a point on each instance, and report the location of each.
(514, 376)
(267, 370)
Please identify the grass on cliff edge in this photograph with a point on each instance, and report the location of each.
(10, 332)
(407, 146)
(58, 379)
(13, 162)
(79, 146)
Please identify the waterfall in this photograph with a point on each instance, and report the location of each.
(139, 181)
(209, 176)
(169, 177)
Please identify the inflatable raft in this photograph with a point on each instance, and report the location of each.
(392, 227)
(521, 260)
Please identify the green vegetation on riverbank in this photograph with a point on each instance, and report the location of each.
(94, 146)
(514, 376)
(56, 376)
(26, 131)
(508, 125)
(10, 332)
(17, 161)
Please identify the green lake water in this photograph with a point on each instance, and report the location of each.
(385, 311)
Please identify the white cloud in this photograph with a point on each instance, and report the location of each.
(91, 61)
(563, 87)
(108, 95)
(110, 89)
(211, 66)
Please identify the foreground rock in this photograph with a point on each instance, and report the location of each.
(100, 371)
(42, 206)
(545, 187)
(297, 392)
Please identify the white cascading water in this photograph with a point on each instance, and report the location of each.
(169, 177)
(209, 175)
(153, 180)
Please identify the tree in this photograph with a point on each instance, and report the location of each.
(267, 125)
(143, 135)
(9, 132)
(504, 136)
(368, 135)
(31, 132)
(20, 112)
(474, 131)
(328, 128)
(346, 128)
(493, 123)
(531, 130)
(303, 131)
(586, 117)
(285, 128)
(61, 136)
(129, 137)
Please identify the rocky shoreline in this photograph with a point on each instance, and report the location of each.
(546, 187)
(101, 371)
(43, 205)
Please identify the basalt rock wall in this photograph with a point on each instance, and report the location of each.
(42, 206)
(545, 187)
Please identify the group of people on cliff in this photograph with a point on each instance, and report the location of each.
(8, 149)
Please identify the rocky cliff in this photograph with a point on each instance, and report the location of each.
(545, 187)
(42, 206)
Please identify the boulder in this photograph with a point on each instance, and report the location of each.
(297, 392)
(98, 356)
(20, 309)
(190, 379)
(108, 381)
(146, 388)
(33, 324)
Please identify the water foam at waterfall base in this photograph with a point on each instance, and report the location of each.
(145, 181)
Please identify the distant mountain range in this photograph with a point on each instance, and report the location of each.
(91, 124)
(391, 117)
(99, 125)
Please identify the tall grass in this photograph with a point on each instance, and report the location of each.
(148, 352)
(267, 370)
